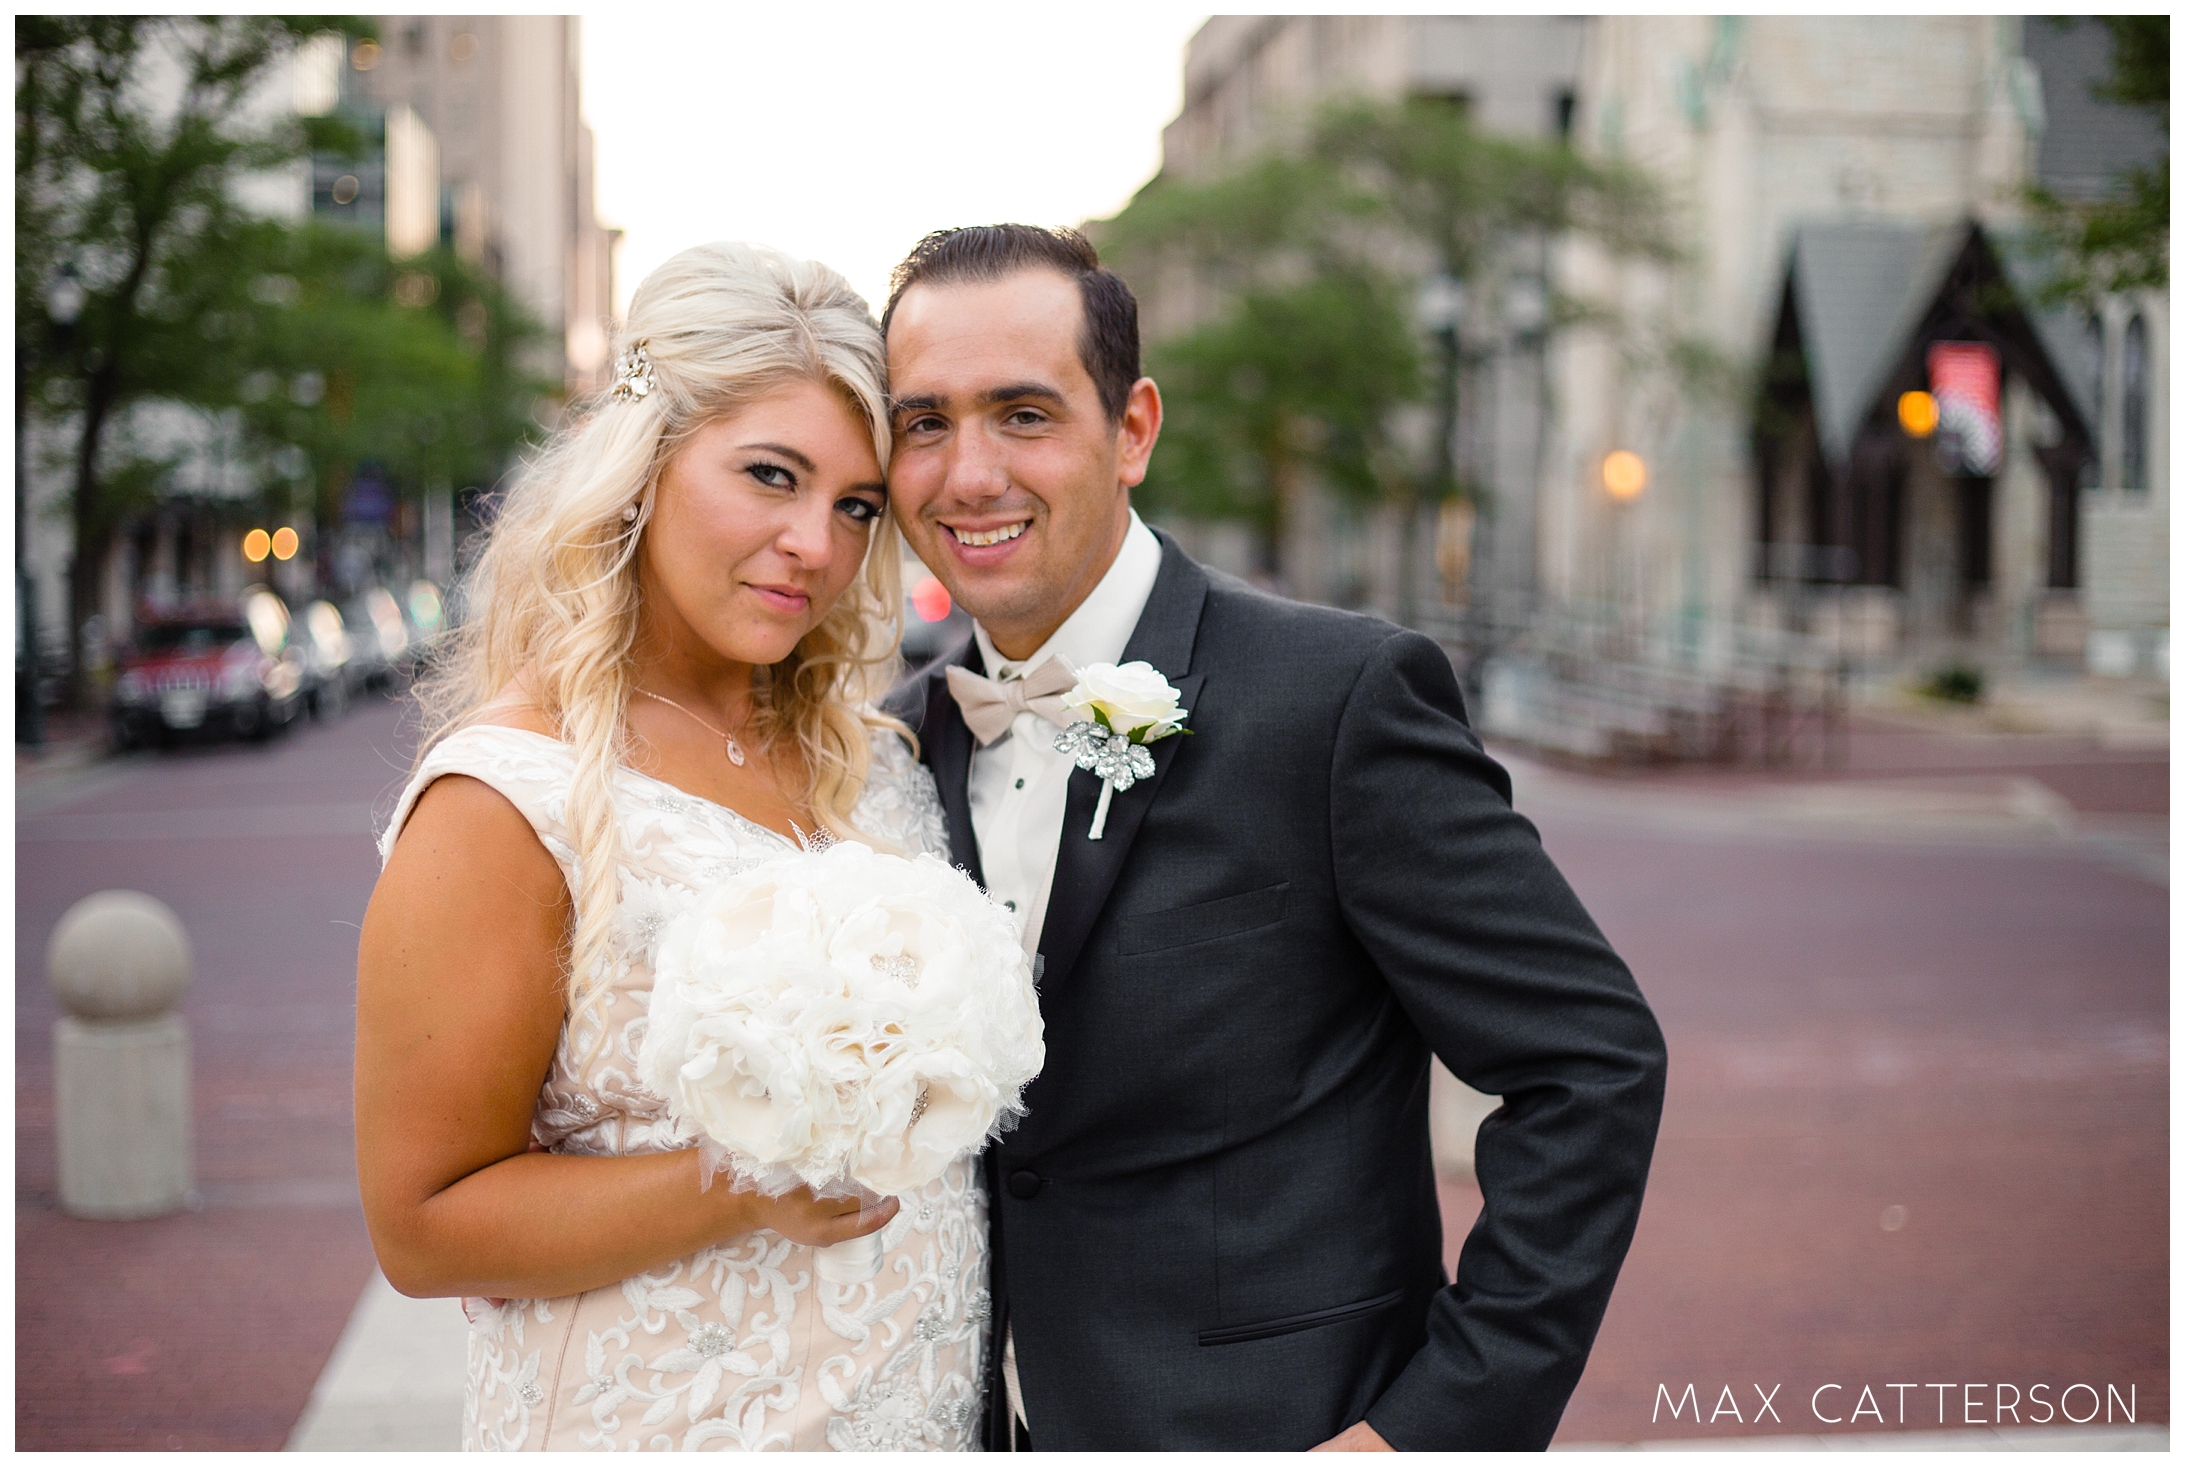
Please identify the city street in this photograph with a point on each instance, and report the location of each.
(1918, 1096)
(205, 1331)
(1917, 1122)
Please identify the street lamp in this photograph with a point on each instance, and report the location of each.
(1917, 413)
(1439, 309)
(1623, 475)
(64, 303)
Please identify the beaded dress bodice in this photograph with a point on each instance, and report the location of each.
(740, 1345)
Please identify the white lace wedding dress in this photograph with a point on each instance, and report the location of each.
(739, 1346)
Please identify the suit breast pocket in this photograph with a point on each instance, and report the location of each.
(1229, 916)
(1239, 1334)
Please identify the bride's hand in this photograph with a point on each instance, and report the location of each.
(814, 1221)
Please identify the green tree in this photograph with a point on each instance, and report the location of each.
(2121, 242)
(1298, 371)
(132, 134)
(1461, 193)
(348, 357)
(1309, 258)
(1287, 381)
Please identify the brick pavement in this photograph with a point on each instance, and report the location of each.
(1971, 1030)
(205, 1330)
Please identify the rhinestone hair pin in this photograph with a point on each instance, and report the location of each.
(633, 373)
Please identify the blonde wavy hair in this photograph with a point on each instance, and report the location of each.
(553, 598)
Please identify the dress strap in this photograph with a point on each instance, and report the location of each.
(529, 770)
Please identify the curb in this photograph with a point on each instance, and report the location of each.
(394, 1382)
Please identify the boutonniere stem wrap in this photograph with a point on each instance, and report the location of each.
(1125, 708)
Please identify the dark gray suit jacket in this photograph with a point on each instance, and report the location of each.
(1217, 1225)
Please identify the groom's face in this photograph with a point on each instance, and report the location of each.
(1008, 477)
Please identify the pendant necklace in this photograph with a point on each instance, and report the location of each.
(728, 740)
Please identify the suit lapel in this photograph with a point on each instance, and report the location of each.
(1086, 870)
(947, 741)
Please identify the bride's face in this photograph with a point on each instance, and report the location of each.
(759, 524)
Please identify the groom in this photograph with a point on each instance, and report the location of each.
(1216, 1227)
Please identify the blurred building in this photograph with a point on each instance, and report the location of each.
(485, 149)
(1851, 193)
(2118, 358)
(1248, 79)
(1250, 82)
(1855, 197)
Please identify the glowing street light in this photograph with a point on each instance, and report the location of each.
(1917, 413)
(284, 543)
(256, 545)
(1623, 475)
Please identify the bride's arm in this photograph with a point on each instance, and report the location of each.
(459, 1005)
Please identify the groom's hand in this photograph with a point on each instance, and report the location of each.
(1359, 1438)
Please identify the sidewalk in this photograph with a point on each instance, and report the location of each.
(203, 1331)
(2114, 713)
(73, 743)
(394, 1383)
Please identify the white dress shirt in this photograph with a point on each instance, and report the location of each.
(1020, 782)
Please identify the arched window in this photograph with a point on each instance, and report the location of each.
(2134, 392)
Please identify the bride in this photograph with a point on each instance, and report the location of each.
(680, 616)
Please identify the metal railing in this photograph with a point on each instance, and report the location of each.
(1597, 683)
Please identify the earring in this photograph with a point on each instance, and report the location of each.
(629, 514)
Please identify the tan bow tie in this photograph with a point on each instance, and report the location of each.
(989, 707)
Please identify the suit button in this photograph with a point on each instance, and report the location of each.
(1024, 1185)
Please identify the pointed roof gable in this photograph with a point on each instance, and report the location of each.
(1860, 289)
(2062, 328)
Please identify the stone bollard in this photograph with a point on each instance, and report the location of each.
(121, 1061)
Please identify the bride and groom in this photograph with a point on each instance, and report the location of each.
(1216, 1225)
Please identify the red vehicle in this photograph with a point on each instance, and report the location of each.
(217, 669)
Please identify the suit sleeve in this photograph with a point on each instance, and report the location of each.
(1489, 952)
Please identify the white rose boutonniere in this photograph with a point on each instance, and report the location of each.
(1131, 706)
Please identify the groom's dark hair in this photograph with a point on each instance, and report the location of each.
(1107, 343)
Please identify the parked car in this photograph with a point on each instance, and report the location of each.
(379, 640)
(425, 612)
(212, 669)
(325, 647)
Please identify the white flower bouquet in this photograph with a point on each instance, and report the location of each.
(842, 1020)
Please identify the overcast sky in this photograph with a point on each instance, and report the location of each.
(844, 136)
